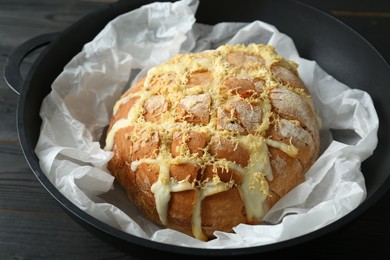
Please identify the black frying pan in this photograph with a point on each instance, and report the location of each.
(318, 36)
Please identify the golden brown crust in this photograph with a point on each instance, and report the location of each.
(210, 140)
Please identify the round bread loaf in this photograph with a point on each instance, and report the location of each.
(209, 140)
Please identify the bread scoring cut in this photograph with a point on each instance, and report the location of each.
(209, 140)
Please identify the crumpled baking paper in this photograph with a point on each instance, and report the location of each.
(79, 107)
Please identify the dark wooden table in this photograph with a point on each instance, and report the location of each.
(32, 224)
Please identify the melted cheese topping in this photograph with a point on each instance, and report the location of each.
(169, 81)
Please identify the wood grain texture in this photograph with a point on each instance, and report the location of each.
(34, 226)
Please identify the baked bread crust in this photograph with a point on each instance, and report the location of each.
(209, 140)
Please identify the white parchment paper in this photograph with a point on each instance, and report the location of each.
(79, 107)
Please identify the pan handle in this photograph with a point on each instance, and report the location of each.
(12, 74)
